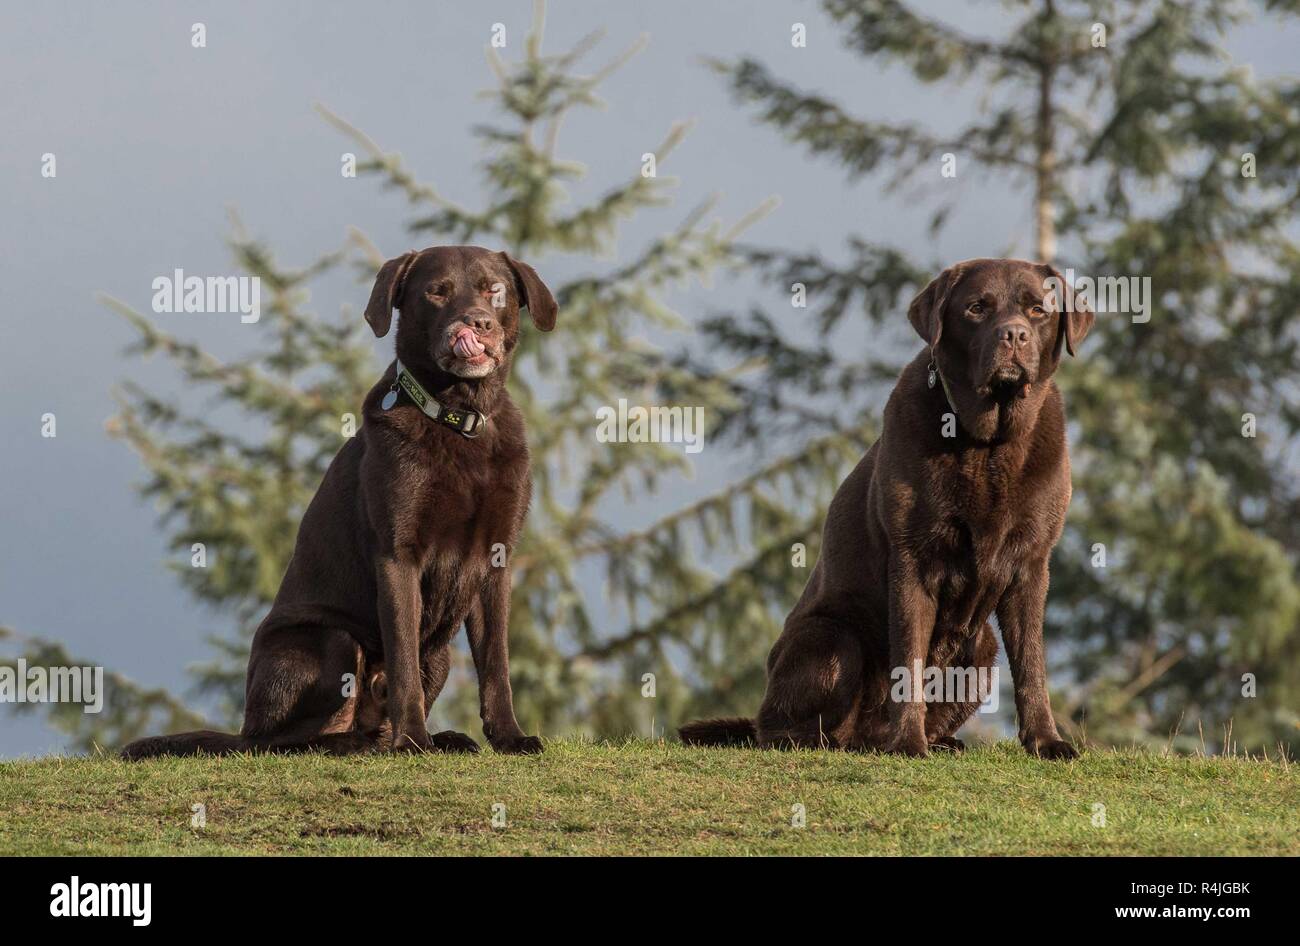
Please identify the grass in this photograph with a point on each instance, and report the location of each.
(653, 798)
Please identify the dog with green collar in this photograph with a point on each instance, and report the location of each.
(400, 547)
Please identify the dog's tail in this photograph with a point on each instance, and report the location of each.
(207, 742)
(724, 731)
(186, 743)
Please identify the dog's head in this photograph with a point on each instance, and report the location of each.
(459, 306)
(997, 326)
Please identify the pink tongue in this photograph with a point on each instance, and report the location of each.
(467, 344)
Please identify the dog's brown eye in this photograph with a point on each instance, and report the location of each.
(1037, 310)
(975, 308)
(440, 291)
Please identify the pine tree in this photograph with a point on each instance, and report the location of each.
(1137, 138)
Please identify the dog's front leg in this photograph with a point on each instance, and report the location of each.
(486, 625)
(1020, 615)
(399, 621)
(911, 624)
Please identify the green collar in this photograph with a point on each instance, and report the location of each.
(465, 422)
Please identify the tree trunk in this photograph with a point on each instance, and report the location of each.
(1045, 158)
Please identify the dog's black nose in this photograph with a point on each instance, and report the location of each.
(479, 320)
(1014, 334)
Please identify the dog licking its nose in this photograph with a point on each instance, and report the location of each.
(466, 343)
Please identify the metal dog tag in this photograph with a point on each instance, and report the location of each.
(389, 400)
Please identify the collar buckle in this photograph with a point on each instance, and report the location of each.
(467, 423)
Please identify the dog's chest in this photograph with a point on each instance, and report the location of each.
(464, 516)
(984, 533)
(971, 556)
(448, 491)
(447, 589)
(455, 510)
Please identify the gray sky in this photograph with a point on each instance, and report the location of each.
(155, 140)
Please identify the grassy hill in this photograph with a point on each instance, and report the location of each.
(653, 798)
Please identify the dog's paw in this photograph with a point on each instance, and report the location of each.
(518, 745)
(412, 742)
(451, 741)
(1051, 748)
(947, 744)
(913, 744)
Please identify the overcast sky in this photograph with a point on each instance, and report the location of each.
(155, 140)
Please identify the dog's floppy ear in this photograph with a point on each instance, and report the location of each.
(926, 311)
(387, 293)
(534, 294)
(1076, 316)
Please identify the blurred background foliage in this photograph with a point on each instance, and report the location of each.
(1131, 156)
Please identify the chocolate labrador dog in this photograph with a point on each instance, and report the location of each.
(408, 536)
(949, 518)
